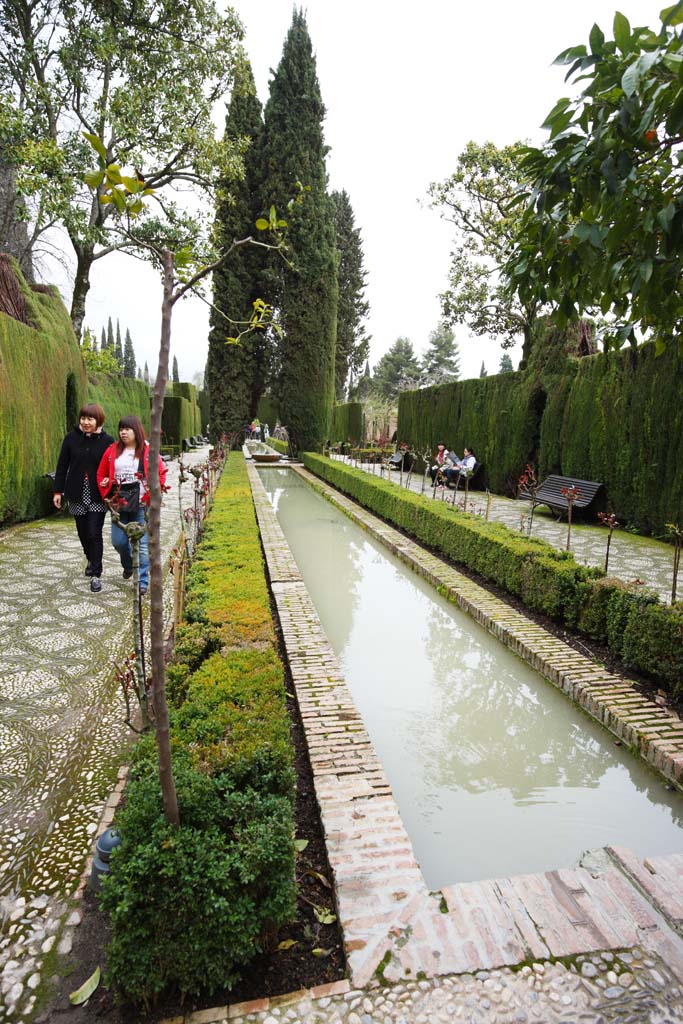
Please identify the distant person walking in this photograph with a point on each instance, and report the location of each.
(76, 480)
(125, 469)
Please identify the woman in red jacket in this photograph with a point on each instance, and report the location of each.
(125, 466)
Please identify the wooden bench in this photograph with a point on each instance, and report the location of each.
(550, 493)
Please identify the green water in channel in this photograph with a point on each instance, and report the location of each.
(495, 772)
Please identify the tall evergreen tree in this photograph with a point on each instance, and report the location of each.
(441, 361)
(128, 356)
(397, 369)
(353, 341)
(505, 364)
(103, 341)
(118, 348)
(145, 374)
(139, 373)
(237, 374)
(175, 376)
(294, 168)
(483, 372)
(110, 336)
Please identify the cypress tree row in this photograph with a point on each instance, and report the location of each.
(236, 375)
(128, 356)
(353, 341)
(294, 168)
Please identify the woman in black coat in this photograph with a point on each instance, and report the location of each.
(76, 480)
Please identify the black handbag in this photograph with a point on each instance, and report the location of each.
(130, 494)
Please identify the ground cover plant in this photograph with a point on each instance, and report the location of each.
(645, 634)
(190, 906)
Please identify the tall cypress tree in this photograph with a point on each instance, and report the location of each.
(118, 348)
(353, 341)
(175, 376)
(294, 168)
(103, 341)
(128, 356)
(110, 336)
(236, 375)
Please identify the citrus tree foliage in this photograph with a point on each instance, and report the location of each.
(237, 374)
(398, 370)
(140, 77)
(306, 293)
(441, 361)
(603, 228)
(353, 341)
(481, 199)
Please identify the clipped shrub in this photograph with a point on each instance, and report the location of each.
(190, 906)
(653, 642)
(347, 422)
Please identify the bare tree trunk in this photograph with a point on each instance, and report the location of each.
(156, 580)
(84, 262)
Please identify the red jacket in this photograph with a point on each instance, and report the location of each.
(106, 470)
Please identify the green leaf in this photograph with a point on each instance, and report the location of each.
(622, 32)
(97, 145)
(645, 270)
(660, 348)
(119, 199)
(113, 174)
(94, 178)
(673, 15)
(132, 184)
(630, 79)
(570, 55)
(596, 39)
(674, 119)
(82, 994)
(262, 224)
(324, 915)
(286, 944)
(559, 107)
(321, 952)
(300, 845)
(665, 216)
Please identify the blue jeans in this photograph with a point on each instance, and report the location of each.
(122, 545)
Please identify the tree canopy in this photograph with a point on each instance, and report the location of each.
(481, 199)
(441, 361)
(353, 341)
(603, 225)
(142, 78)
(398, 369)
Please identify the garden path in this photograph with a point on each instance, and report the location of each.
(631, 556)
(62, 730)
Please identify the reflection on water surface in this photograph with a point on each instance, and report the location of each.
(495, 771)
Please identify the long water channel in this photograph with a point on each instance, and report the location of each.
(495, 772)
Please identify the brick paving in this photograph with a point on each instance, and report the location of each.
(395, 929)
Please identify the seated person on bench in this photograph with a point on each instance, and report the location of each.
(440, 461)
(461, 467)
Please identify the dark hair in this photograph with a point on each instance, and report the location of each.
(466, 448)
(92, 410)
(134, 424)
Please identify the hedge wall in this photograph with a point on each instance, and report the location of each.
(188, 391)
(645, 634)
(178, 419)
(612, 417)
(42, 385)
(189, 907)
(119, 396)
(203, 401)
(268, 410)
(348, 423)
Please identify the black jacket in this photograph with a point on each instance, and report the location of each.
(81, 453)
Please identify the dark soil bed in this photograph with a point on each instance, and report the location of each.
(281, 971)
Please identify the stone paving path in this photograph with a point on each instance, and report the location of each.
(62, 731)
(631, 556)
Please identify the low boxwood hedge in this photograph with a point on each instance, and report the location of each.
(189, 906)
(646, 634)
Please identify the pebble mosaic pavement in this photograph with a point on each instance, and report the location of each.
(616, 922)
(62, 730)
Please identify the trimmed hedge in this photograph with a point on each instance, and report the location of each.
(189, 907)
(607, 417)
(42, 386)
(347, 423)
(645, 634)
(120, 396)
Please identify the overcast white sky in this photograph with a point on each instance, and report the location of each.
(406, 86)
